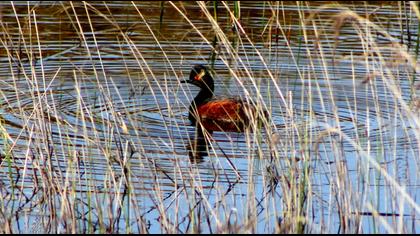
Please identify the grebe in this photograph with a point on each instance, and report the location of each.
(228, 115)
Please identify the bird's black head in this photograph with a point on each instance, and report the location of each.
(200, 76)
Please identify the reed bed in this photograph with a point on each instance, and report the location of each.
(95, 136)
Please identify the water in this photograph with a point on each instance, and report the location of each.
(89, 97)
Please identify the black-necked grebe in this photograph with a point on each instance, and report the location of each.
(227, 114)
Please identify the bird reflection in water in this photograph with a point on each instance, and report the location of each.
(197, 147)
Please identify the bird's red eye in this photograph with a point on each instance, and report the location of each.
(198, 77)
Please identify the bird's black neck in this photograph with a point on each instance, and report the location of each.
(205, 94)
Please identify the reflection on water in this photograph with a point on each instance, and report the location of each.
(198, 148)
(90, 101)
